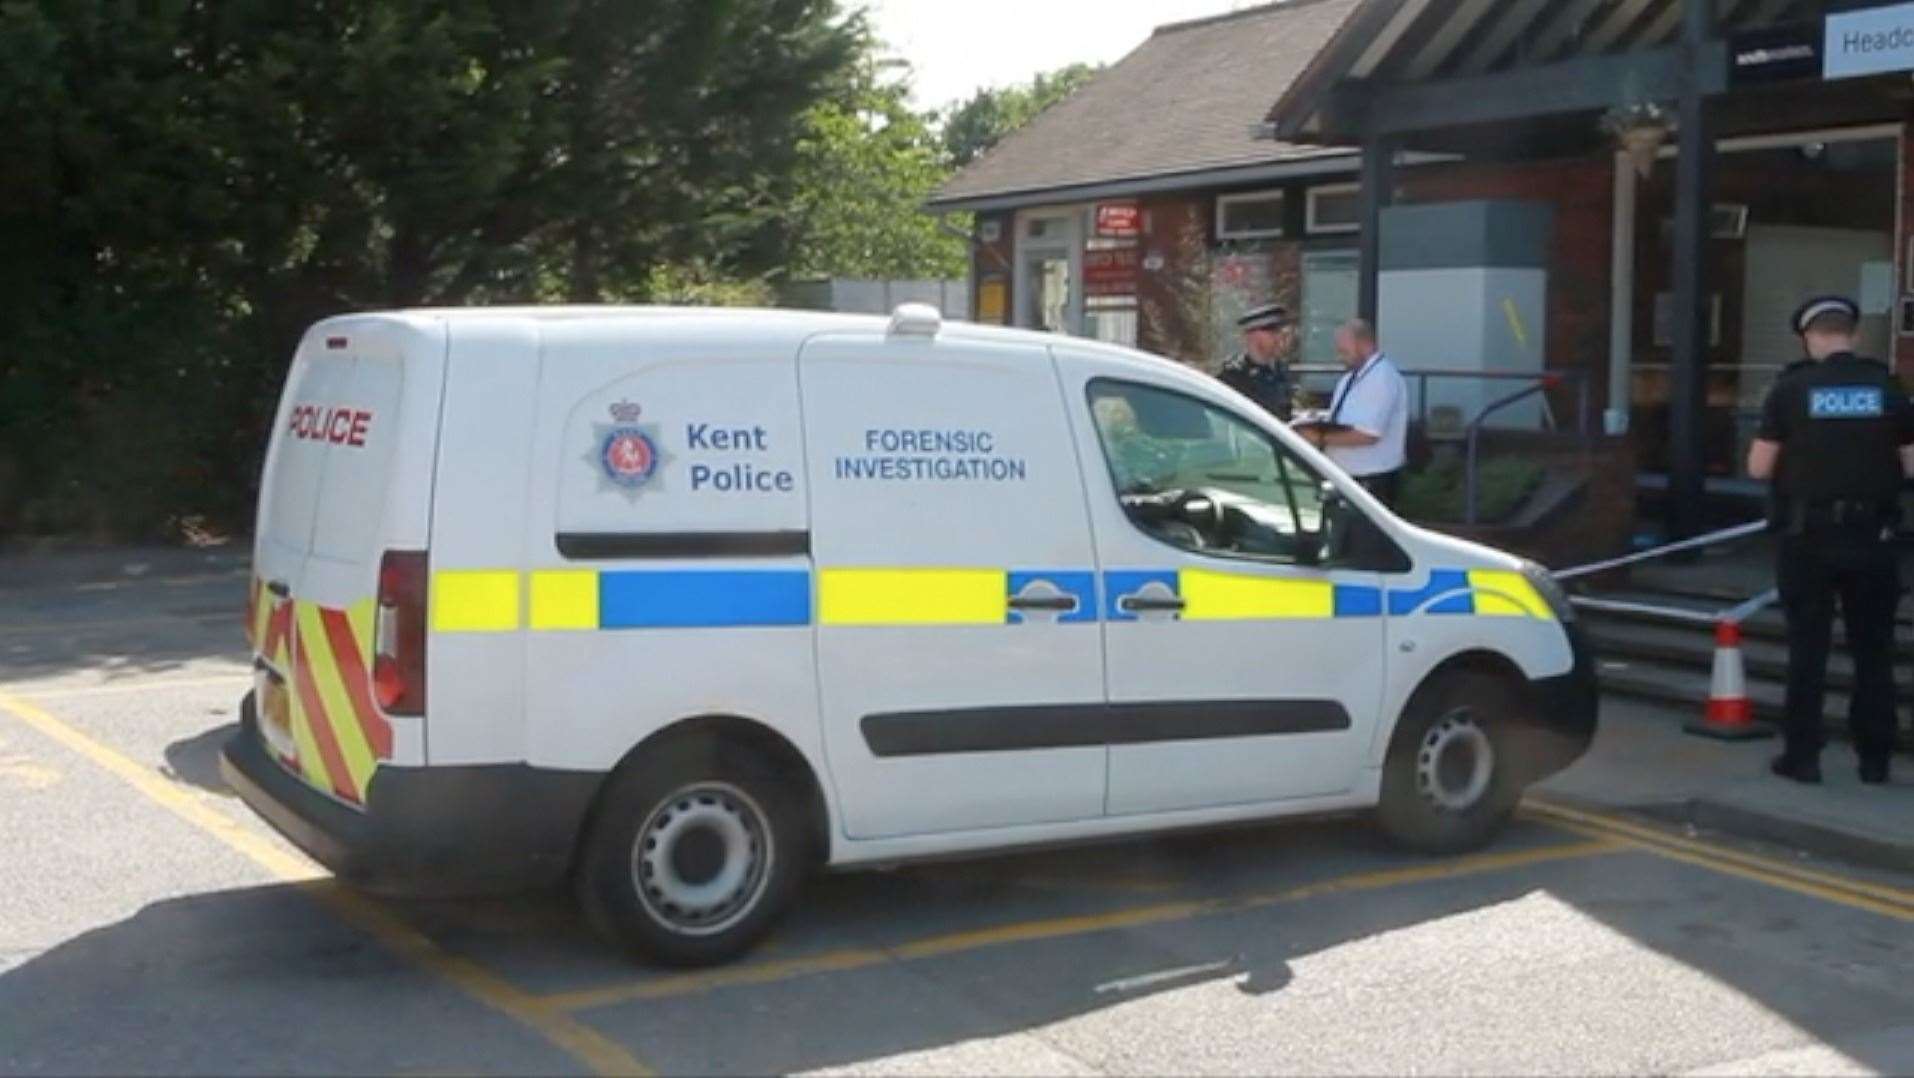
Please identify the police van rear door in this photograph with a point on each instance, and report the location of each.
(347, 480)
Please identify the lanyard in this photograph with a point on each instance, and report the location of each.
(1350, 385)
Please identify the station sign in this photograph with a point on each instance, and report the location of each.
(1776, 54)
(1871, 41)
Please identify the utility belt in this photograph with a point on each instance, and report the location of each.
(1846, 515)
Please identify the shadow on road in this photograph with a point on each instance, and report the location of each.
(266, 980)
(937, 957)
(134, 630)
(195, 760)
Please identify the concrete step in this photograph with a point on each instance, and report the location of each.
(1688, 687)
(1694, 648)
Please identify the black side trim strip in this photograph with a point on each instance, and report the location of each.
(595, 545)
(1009, 729)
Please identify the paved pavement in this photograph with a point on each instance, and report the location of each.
(1645, 763)
(148, 923)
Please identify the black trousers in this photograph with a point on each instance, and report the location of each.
(1384, 485)
(1857, 567)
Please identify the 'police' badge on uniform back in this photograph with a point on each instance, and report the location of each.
(1846, 402)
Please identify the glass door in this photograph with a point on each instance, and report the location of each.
(1049, 292)
(1047, 297)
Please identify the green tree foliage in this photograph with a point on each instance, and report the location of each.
(190, 183)
(866, 164)
(989, 115)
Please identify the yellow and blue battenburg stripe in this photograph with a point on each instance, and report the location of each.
(1209, 595)
(592, 599)
(878, 596)
(917, 596)
(556, 600)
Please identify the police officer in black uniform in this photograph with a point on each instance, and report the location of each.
(1836, 438)
(1259, 371)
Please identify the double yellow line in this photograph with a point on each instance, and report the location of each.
(595, 1051)
(1884, 899)
(1604, 834)
(1061, 927)
(551, 1016)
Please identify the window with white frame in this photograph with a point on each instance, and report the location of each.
(1256, 215)
(1335, 208)
(1330, 283)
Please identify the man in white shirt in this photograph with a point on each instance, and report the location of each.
(1366, 431)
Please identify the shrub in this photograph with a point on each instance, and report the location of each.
(1436, 493)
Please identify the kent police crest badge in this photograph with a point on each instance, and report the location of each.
(626, 452)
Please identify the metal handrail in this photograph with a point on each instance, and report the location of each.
(1422, 375)
(1542, 382)
(1475, 436)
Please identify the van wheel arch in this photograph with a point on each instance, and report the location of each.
(713, 733)
(1481, 662)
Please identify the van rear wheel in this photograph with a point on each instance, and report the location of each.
(695, 852)
(1449, 783)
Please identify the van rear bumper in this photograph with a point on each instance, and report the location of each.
(425, 830)
(1564, 710)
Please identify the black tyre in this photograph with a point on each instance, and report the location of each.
(695, 851)
(1450, 780)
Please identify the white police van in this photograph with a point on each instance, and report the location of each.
(683, 604)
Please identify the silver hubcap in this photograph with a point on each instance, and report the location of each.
(1455, 763)
(702, 859)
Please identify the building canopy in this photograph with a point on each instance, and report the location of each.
(1432, 73)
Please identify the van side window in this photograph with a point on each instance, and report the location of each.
(1199, 478)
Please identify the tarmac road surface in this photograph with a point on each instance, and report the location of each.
(150, 923)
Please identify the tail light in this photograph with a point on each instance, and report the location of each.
(398, 662)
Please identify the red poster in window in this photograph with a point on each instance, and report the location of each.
(1111, 271)
(1118, 220)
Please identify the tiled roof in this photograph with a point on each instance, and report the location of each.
(1190, 99)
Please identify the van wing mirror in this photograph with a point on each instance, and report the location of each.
(1349, 539)
(1325, 545)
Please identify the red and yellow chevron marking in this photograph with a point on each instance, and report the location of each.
(277, 645)
(269, 633)
(269, 626)
(254, 613)
(336, 723)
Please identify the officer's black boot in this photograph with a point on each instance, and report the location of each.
(1796, 768)
(1874, 770)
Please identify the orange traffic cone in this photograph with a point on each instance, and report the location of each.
(1729, 715)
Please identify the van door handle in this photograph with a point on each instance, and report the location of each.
(1141, 604)
(279, 588)
(1066, 604)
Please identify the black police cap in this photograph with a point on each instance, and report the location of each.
(1805, 314)
(1269, 316)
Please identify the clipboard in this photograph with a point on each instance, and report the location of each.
(1318, 424)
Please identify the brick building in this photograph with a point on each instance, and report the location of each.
(1708, 164)
(1686, 170)
(1152, 205)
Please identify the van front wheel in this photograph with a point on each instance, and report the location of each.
(693, 855)
(1449, 784)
